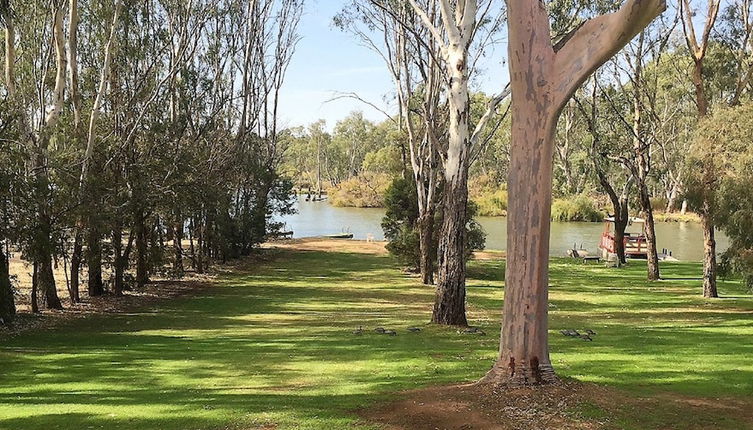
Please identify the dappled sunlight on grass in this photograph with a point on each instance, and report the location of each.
(273, 344)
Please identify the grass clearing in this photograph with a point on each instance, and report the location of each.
(272, 346)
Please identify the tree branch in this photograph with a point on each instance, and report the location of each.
(491, 107)
(597, 40)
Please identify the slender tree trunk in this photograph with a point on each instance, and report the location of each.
(118, 260)
(78, 250)
(426, 242)
(709, 256)
(10, 56)
(651, 253)
(200, 245)
(7, 301)
(178, 246)
(620, 224)
(142, 251)
(94, 260)
(35, 288)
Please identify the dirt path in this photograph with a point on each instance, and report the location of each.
(568, 406)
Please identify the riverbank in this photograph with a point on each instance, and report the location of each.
(684, 240)
(270, 344)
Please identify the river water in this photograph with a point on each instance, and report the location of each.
(685, 240)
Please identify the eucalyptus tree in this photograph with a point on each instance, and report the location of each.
(544, 77)
(393, 31)
(39, 91)
(613, 177)
(698, 48)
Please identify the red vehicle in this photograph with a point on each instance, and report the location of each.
(635, 242)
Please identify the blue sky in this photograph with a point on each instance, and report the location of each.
(329, 61)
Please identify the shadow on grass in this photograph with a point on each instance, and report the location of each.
(274, 345)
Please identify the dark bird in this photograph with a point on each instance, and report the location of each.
(414, 329)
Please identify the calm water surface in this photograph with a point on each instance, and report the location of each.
(685, 240)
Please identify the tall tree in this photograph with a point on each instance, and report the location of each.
(543, 78)
(697, 48)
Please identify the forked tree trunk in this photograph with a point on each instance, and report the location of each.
(543, 78)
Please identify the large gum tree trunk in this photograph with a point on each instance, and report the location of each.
(697, 49)
(543, 78)
(524, 347)
(449, 306)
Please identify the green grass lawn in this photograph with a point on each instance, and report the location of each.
(272, 345)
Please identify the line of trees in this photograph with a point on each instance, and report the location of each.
(131, 127)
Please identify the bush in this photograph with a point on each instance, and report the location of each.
(364, 191)
(580, 207)
(400, 225)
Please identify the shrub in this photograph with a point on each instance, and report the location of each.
(579, 207)
(401, 231)
(364, 191)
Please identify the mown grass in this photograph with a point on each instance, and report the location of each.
(273, 345)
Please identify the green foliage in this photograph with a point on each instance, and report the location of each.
(400, 225)
(363, 191)
(580, 207)
(489, 195)
(722, 149)
(400, 222)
